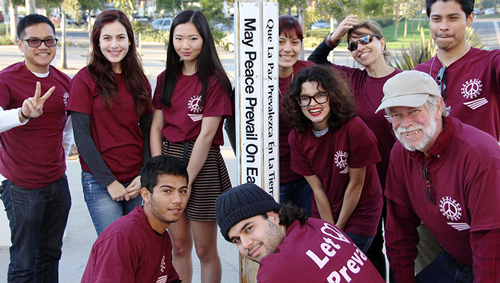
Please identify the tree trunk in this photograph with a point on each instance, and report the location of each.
(30, 7)
(13, 21)
(63, 64)
(396, 23)
(406, 27)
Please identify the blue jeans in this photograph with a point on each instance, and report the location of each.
(444, 268)
(102, 208)
(298, 192)
(362, 242)
(37, 219)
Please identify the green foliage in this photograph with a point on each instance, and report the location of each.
(372, 8)
(317, 32)
(218, 36)
(6, 40)
(421, 50)
(312, 41)
(154, 35)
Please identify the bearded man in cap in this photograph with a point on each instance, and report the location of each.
(288, 246)
(445, 174)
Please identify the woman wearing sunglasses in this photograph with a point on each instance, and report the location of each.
(335, 151)
(367, 46)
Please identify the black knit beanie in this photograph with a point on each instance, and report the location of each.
(240, 203)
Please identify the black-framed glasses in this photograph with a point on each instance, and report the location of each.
(35, 42)
(441, 79)
(320, 98)
(353, 45)
(428, 187)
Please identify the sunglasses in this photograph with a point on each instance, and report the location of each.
(35, 42)
(441, 79)
(428, 188)
(353, 45)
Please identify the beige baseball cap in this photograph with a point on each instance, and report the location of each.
(408, 88)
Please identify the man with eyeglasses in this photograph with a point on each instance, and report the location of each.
(35, 139)
(443, 173)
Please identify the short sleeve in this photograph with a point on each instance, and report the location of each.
(160, 80)
(298, 161)
(217, 101)
(363, 149)
(81, 94)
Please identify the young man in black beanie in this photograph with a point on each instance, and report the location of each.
(288, 246)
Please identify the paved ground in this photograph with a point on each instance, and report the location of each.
(80, 233)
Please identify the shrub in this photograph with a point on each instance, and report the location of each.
(6, 40)
(421, 50)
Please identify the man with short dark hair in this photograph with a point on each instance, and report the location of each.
(137, 247)
(469, 78)
(288, 246)
(445, 174)
(35, 138)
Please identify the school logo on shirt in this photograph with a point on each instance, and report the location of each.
(341, 161)
(163, 265)
(453, 211)
(195, 108)
(471, 89)
(65, 99)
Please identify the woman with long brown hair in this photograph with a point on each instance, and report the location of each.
(111, 111)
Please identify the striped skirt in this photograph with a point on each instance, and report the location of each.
(212, 181)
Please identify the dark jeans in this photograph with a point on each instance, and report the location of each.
(37, 219)
(298, 192)
(362, 242)
(445, 269)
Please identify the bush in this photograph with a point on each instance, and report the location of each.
(6, 41)
(313, 41)
(421, 50)
(318, 32)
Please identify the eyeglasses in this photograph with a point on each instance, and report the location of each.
(428, 188)
(441, 79)
(35, 42)
(320, 98)
(353, 45)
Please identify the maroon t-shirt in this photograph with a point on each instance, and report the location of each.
(129, 250)
(317, 252)
(368, 95)
(286, 173)
(464, 169)
(116, 132)
(473, 85)
(32, 155)
(183, 118)
(329, 158)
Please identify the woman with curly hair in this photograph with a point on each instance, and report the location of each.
(335, 151)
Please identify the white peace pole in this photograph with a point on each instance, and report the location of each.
(257, 101)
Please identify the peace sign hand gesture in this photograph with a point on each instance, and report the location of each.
(33, 106)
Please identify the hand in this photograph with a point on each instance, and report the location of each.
(33, 106)
(117, 191)
(134, 188)
(342, 29)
